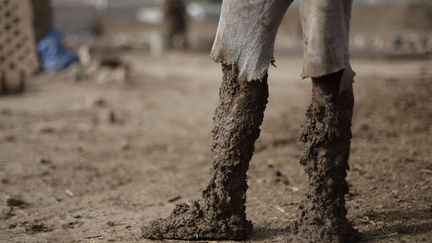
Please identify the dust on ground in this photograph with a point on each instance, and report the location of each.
(84, 162)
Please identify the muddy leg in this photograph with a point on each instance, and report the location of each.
(327, 137)
(220, 214)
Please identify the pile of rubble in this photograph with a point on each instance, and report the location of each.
(100, 70)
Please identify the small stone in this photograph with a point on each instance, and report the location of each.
(15, 202)
(5, 181)
(110, 223)
(44, 129)
(12, 226)
(96, 102)
(37, 228)
(10, 138)
(72, 225)
(6, 112)
(45, 173)
(107, 117)
(173, 199)
(294, 189)
(112, 117)
(45, 161)
(69, 193)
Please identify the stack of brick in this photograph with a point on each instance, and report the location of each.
(18, 53)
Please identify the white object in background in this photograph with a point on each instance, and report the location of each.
(196, 11)
(84, 55)
(150, 15)
(100, 5)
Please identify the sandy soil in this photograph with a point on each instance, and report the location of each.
(92, 163)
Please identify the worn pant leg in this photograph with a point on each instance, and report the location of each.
(326, 26)
(246, 33)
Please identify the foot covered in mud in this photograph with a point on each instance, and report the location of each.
(194, 223)
(320, 229)
(327, 139)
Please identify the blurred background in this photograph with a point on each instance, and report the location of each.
(106, 111)
(377, 25)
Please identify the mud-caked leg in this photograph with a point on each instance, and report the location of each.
(327, 137)
(220, 214)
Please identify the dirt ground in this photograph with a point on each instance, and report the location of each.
(82, 162)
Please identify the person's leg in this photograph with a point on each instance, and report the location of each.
(244, 46)
(220, 214)
(327, 131)
(327, 137)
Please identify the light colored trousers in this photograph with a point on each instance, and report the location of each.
(247, 30)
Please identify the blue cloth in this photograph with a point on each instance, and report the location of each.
(53, 54)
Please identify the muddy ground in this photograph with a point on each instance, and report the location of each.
(92, 163)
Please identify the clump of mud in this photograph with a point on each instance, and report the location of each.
(220, 214)
(327, 138)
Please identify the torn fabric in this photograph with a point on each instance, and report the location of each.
(246, 34)
(326, 36)
(247, 30)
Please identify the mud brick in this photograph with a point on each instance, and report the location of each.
(18, 54)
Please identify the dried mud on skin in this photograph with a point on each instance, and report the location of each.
(220, 214)
(327, 138)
